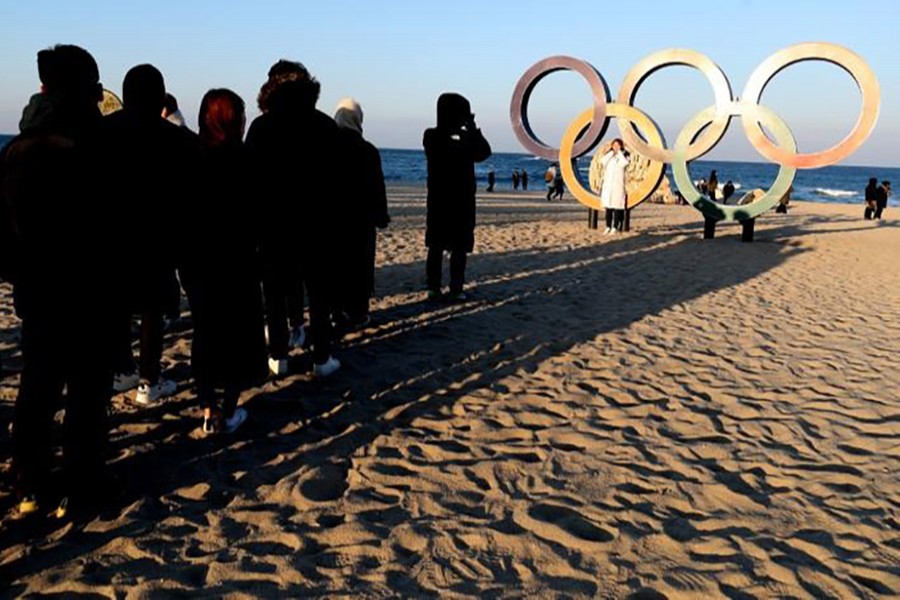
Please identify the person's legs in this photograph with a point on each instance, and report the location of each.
(619, 219)
(230, 401)
(276, 298)
(433, 267)
(151, 347)
(609, 218)
(39, 397)
(123, 358)
(320, 297)
(296, 303)
(878, 210)
(457, 271)
(86, 430)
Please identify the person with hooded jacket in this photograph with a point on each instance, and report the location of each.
(301, 221)
(451, 150)
(366, 203)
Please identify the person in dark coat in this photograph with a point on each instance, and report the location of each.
(524, 180)
(727, 191)
(516, 178)
(62, 274)
(140, 141)
(451, 150)
(366, 203)
(881, 199)
(491, 180)
(871, 198)
(302, 215)
(222, 274)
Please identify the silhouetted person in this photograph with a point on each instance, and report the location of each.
(881, 198)
(139, 142)
(221, 273)
(171, 112)
(712, 186)
(871, 198)
(727, 191)
(702, 186)
(515, 179)
(62, 269)
(558, 187)
(451, 149)
(525, 180)
(365, 202)
(302, 216)
(550, 180)
(491, 179)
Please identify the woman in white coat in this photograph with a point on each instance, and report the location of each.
(612, 190)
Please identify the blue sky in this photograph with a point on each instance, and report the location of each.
(397, 56)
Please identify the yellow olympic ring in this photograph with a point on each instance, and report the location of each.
(580, 124)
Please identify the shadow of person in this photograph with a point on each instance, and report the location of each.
(441, 353)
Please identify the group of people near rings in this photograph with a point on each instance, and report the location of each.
(104, 219)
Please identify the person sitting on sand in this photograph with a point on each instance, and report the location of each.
(366, 200)
(221, 273)
(451, 151)
(612, 188)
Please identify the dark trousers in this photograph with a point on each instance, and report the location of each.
(615, 218)
(151, 346)
(276, 290)
(209, 399)
(878, 211)
(53, 359)
(359, 281)
(321, 288)
(867, 215)
(434, 269)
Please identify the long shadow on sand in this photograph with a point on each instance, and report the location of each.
(451, 351)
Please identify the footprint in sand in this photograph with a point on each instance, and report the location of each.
(328, 482)
(570, 521)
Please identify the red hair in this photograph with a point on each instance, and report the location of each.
(222, 118)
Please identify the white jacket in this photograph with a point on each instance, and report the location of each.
(612, 191)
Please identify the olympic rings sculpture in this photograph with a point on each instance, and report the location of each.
(702, 132)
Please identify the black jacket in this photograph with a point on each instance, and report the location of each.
(295, 156)
(55, 246)
(364, 194)
(451, 154)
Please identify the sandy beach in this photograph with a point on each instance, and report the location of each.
(644, 416)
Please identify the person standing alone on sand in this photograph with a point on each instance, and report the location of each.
(871, 199)
(63, 284)
(612, 189)
(451, 151)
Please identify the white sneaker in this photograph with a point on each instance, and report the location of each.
(278, 368)
(123, 382)
(327, 368)
(298, 337)
(607, 231)
(147, 395)
(237, 419)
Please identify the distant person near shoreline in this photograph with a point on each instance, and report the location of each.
(524, 180)
(881, 198)
(871, 198)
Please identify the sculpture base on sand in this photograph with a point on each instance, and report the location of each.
(747, 227)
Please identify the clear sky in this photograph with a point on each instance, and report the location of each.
(397, 56)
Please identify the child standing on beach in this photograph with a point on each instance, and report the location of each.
(451, 150)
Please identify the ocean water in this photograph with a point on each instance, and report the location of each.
(843, 185)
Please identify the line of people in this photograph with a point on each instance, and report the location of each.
(101, 216)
